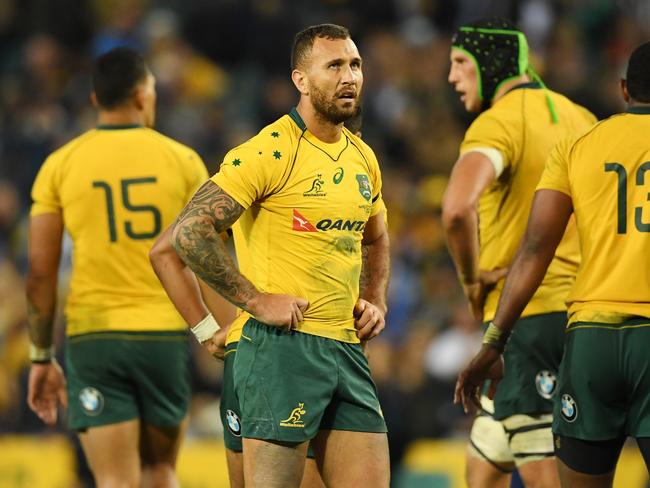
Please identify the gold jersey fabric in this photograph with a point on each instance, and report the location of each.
(606, 172)
(117, 188)
(245, 267)
(309, 203)
(519, 125)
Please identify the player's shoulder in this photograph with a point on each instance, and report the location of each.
(62, 154)
(272, 142)
(178, 148)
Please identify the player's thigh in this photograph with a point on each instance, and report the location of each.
(235, 462)
(636, 359)
(569, 478)
(99, 386)
(489, 459)
(591, 386)
(112, 453)
(581, 460)
(532, 361)
(284, 383)
(311, 477)
(160, 445)
(272, 464)
(370, 467)
(480, 473)
(161, 374)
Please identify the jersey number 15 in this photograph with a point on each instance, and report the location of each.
(128, 225)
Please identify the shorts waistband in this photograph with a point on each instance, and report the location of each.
(634, 323)
(128, 335)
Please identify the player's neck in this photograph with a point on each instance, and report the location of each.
(508, 85)
(324, 130)
(121, 116)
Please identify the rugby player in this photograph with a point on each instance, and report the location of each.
(602, 396)
(484, 215)
(313, 191)
(113, 189)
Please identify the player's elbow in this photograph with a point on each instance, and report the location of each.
(455, 214)
(36, 278)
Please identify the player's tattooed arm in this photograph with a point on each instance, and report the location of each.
(196, 238)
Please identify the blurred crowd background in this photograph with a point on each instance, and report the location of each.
(222, 69)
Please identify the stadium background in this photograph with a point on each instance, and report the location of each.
(222, 68)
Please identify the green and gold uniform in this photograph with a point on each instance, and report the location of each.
(309, 203)
(117, 188)
(604, 380)
(520, 128)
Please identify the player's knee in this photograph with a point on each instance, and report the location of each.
(159, 475)
(118, 480)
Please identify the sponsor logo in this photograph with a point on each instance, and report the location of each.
(364, 186)
(546, 383)
(316, 189)
(234, 425)
(340, 224)
(295, 418)
(569, 408)
(338, 176)
(92, 401)
(301, 224)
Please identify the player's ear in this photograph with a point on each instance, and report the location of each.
(624, 92)
(299, 79)
(139, 96)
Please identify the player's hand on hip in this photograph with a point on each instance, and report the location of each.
(486, 365)
(369, 320)
(477, 292)
(46, 389)
(284, 311)
(216, 345)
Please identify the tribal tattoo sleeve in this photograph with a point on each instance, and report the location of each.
(197, 242)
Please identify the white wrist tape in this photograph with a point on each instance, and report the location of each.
(40, 354)
(205, 329)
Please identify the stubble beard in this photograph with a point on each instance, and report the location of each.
(327, 110)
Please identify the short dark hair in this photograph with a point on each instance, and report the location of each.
(116, 74)
(638, 74)
(304, 40)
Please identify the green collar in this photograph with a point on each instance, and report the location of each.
(295, 116)
(639, 110)
(118, 126)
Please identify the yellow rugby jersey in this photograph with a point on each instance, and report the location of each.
(117, 188)
(606, 172)
(519, 126)
(309, 203)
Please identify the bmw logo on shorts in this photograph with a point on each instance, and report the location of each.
(233, 423)
(569, 408)
(546, 383)
(92, 401)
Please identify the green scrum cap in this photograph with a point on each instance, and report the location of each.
(500, 54)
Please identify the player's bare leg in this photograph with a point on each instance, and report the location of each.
(273, 465)
(540, 474)
(311, 477)
(573, 479)
(159, 448)
(479, 473)
(235, 461)
(112, 454)
(370, 467)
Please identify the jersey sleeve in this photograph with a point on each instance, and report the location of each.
(45, 191)
(492, 131)
(556, 172)
(248, 174)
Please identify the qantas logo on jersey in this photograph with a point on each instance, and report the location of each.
(301, 224)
